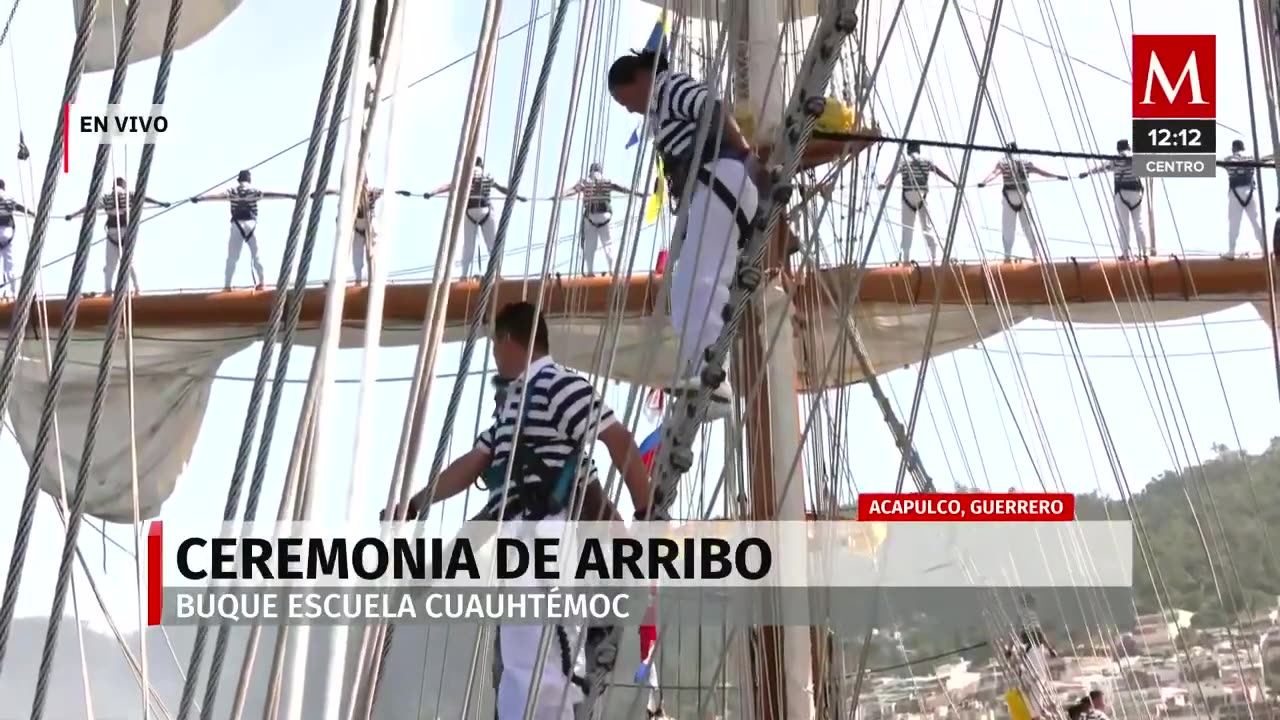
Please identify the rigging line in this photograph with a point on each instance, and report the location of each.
(122, 292)
(8, 23)
(980, 93)
(22, 311)
(285, 312)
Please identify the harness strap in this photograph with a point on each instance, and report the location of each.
(730, 201)
(907, 201)
(608, 218)
(1248, 198)
(488, 211)
(1125, 201)
(1016, 207)
(246, 237)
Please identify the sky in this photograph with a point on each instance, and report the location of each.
(248, 90)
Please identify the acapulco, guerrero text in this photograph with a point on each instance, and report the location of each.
(973, 507)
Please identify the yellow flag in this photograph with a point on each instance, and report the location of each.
(657, 199)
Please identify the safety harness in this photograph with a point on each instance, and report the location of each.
(6, 232)
(906, 199)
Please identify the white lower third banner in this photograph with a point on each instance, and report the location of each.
(783, 573)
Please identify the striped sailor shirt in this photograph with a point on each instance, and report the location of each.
(244, 201)
(481, 189)
(1125, 176)
(117, 204)
(562, 411)
(915, 173)
(1013, 175)
(678, 100)
(1239, 175)
(597, 194)
(7, 208)
(365, 206)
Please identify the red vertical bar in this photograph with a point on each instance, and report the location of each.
(660, 266)
(66, 138)
(155, 572)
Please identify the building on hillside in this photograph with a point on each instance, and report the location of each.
(1155, 633)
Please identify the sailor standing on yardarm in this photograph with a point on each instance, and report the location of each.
(117, 204)
(1016, 193)
(597, 213)
(244, 199)
(364, 236)
(1241, 183)
(915, 170)
(479, 211)
(8, 206)
(1128, 197)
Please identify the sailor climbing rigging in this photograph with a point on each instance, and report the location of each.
(479, 211)
(1016, 192)
(8, 206)
(722, 206)
(559, 415)
(1241, 183)
(597, 213)
(1128, 197)
(915, 170)
(117, 204)
(244, 199)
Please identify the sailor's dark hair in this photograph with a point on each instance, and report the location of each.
(913, 146)
(1079, 708)
(1012, 146)
(1, 184)
(1122, 144)
(1237, 146)
(244, 176)
(479, 161)
(1095, 695)
(522, 323)
(120, 182)
(625, 69)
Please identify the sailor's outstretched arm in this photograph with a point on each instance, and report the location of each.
(153, 201)
(442, 189)
(577, 188)
(78, 213)
(893, 171)
(994, 173)
(279, 196)
(507, 191)
(1104, 167)
(938, 171)
(23, 209)
(215, 196)
(454, 479)
(1034, 170)
(616, 187)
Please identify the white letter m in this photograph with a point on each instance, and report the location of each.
(1156, 72)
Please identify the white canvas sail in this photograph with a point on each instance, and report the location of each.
(198, 19)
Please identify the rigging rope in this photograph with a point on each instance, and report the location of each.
(26, 295)
(122, 290)
(284, 305)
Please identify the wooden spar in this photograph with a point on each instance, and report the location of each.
(1165, 279)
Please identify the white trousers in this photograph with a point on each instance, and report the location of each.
(1129, 213)
(1242, 202)
(113, 262)
(242, 235)
(6, 259)
(596, 232)
(518, 648)
(911, 200)
(700, 280)
(1015, 209)
(362, 248)
(478, 220)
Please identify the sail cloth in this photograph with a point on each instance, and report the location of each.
(173, 373)
(198, 19)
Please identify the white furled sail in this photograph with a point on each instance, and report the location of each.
(198, 19)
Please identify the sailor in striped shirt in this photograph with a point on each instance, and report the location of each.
(1241, 183)
(915, 170)
(479, 211)
(8, 206)
(597, 213)
(244, 199)
(1128, 197)
(723, 203)
(560, 416)
(1016, 190)
(364, 237)
(117, 205)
